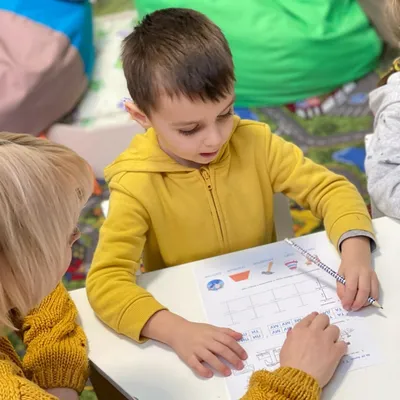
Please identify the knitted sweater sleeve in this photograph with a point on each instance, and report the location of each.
(283, 384)
(13, 383)
(56, 355)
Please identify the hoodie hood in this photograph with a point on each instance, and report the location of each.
(385, 96)
(145, 155)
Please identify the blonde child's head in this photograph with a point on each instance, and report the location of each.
(43, 187)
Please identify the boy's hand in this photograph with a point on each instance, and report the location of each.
(197, 343)
(312, 346)
(361, 279)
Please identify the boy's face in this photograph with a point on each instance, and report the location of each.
(191, 132)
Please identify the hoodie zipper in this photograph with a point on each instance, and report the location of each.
(207, 179)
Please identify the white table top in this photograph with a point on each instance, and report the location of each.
(153, 372)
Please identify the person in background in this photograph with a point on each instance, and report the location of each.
(43, 188)
(200, 183)
(382, 163)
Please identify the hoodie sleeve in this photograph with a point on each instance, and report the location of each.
(111, 283)
(330, 197)
(383, 155)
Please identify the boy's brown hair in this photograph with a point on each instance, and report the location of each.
(177, 51)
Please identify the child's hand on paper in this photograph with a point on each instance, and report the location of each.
(361, 279)
(312, 346)
(197, 344)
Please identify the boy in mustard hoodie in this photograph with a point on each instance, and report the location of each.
(200, 183)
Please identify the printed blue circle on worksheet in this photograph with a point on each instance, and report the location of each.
(215, 284)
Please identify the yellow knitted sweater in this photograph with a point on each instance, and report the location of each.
(56, 352)
(283, 384)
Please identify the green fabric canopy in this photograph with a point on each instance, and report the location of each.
(288, 50)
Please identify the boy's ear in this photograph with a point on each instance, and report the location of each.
(137, 114)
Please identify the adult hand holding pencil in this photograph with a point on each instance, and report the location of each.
(363, 297)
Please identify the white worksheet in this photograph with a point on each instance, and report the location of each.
(266, 297)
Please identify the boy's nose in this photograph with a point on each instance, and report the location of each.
(213, 139)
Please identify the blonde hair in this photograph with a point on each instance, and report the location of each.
(43, 187)
(393, 17)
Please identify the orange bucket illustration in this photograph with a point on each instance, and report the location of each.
(241, 276)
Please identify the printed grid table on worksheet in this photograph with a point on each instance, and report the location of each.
(266, 298)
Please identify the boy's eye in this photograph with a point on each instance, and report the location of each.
(195, 129)
(226, 115)
(188, 132)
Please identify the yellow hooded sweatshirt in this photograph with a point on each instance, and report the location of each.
(174, 214)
